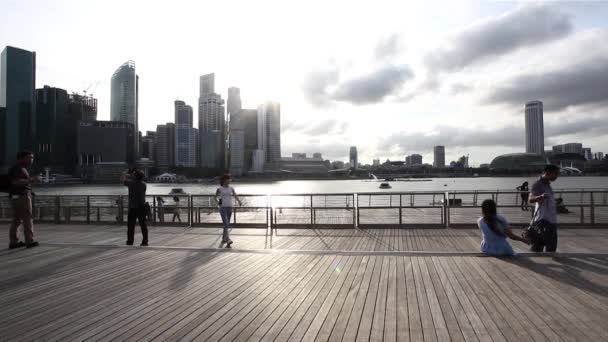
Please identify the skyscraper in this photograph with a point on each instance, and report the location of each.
(569, 148)
(211, 125)
(535, 136)
(124, 100)
(587, 153)
(207, 85)
(185, 137)
(164, 146)
(236, 134)
(269, 134)
(439, 156)
(249, 120)
(17, 82)
(353, 159)
(234, 105)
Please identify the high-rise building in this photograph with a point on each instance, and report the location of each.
(317, 155)
(439, 156)
(165, 146)
(269, 134)
(17, 83)
(298, 155)
(59, 114)
(599, 155)
(587, 153)
(185, 138)
(207, 85)
(89, 150)
(237, 151)
(236, 133)
(211, 125)
(2, 130)
(233, 105)
(124, 99)
(413, 160)
(353, 157)
(148, 145)
(535, 136)
(249, 120)
(83, 107)
(569, 148)
(376, 162)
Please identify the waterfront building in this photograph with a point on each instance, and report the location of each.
(439, 156)
(535, 136)
(17, 83)
(211, 123)
(249, 120)
(569, 148)
(587, 153)
(413, 160)
(185, 136)
(148, 145)
(89, 149)
(317, 155)
(300, 164)
(269, 134)
(57, 116)
(353, 157)
(164, 145)
(124, 99)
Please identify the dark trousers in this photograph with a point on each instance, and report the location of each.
(140, 215)
(549, 239)
(524, 201)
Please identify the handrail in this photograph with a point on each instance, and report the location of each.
(443, 208)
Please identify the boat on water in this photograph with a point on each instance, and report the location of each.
(177, 191)
(385, 186)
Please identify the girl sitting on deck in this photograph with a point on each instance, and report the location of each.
(495, 229)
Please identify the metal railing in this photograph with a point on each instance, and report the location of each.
(345, 210)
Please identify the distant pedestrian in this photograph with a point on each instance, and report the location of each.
(20, 194)
(177, 211)
(545, 211)
(160, 202)
(495, 230)
(134, 180)
(524, 193)
(225, 193)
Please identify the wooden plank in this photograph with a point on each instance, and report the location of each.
(366, 318)
(255, 330)
(242, 309)
(328, 293)
(288, 321)
(378, 320)
(439, 300)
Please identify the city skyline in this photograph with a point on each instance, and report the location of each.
(424, 89)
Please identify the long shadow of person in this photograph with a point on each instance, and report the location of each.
(566, 270)
(189, 266)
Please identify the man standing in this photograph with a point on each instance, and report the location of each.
(20, 193)
(545, 214)
(134, 180)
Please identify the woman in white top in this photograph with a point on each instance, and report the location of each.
(225, 193)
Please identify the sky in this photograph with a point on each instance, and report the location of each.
(390, 77)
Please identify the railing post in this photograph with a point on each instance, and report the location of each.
(57, 209)
(88, 209)
(592, 210)
(311, 212)
(400, 210)
(356, 209)
(190, 211)
(446, 205)
(121, 214)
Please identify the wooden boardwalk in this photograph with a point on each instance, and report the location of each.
(82, 285)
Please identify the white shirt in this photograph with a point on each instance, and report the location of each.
(225, 194)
